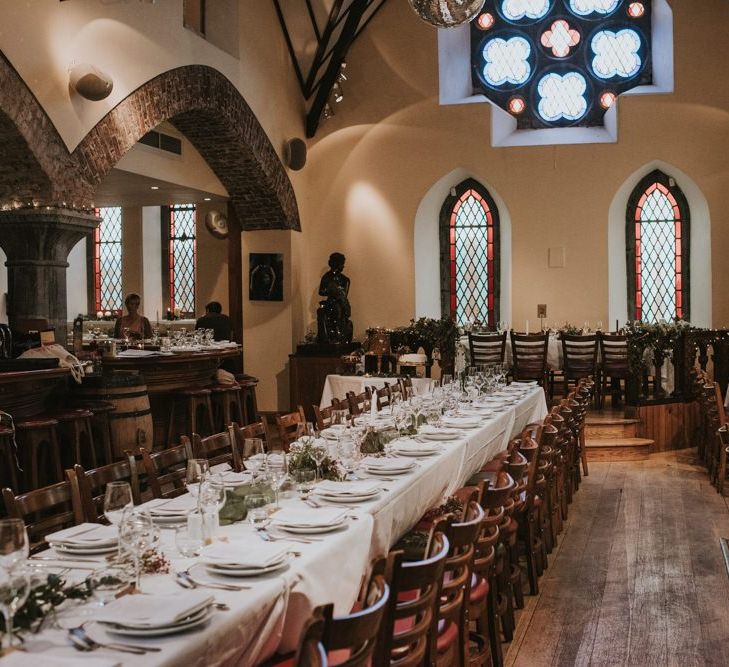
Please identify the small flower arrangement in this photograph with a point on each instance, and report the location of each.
(104, 315)
(300, 458)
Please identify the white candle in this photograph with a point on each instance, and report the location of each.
(527, 327)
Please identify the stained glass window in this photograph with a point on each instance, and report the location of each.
(657, 235)
(469, 233)
(181, 253)
(562, 58)
(107, 260)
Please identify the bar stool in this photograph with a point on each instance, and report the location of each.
(76, 436)
(226, 401)
(36, 437)
(193, 400)
(8, 458)
(101, 427)
(247, 385)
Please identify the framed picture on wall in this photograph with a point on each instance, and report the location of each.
(265, 276)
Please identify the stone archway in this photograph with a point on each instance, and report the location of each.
(206, 107)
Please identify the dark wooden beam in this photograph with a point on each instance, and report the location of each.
(235, 275)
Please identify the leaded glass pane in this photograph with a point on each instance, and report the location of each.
(516, 10)
(506, 61)
(182, 259)
(657, 247)
(108, 260)
(470, 222)
(616, 54)
(587, 7)
(562, 96)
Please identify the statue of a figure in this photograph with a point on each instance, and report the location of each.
(333, 314)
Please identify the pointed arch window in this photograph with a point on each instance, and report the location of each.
(179, 262)
(469, 251)
(657, 240)
(106, 262)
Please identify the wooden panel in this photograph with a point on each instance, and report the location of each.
(671, 425)
(307, 377)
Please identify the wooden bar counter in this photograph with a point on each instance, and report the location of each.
(25, 394)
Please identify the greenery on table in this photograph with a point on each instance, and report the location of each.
(569, 329)
(645, 337)
(235, 508)
(428, 333)
(300, 458)
(375, 440)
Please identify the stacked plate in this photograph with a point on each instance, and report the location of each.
(86, 539)
(387, 467)
(462, 422)
(170, 510)
(414, 448)
(309, 520)
(156, 615)
(334, 432)
(231, 479)
(434, 433)
(347, 492)
(241, 558)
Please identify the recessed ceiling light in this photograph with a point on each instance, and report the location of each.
(154, 187)
(206, 198)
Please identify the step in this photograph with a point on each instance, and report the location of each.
(626, 428)
(618, 449)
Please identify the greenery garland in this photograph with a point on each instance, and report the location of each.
(645, 338)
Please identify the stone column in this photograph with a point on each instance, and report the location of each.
(37, 242)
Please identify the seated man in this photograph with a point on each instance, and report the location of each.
(215, 320)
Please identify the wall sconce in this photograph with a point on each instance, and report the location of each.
(89, 82)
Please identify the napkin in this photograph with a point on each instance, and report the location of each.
(23, 659)
(232, 478)
(427, 428)
(361, 488)
(384, 464)
(142, 611)
(309, 517)
(85, 533)
(410, 446)
(244, 554)
(176, 506)
(464, 422)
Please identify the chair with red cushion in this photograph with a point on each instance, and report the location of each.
(311, 652)
(409, 627)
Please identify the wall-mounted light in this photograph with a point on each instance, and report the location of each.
(89, 82)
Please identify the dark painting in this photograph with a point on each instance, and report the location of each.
(265, 279)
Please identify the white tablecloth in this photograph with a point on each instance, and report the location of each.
(270, 615)
(337, 386)
(554, 353)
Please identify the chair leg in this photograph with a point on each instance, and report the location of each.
(722, 469)
(209, 409)
(171, 425)
(192, 414)
(55, 454)
(583, 451)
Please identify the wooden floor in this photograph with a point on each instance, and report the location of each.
(638, 578)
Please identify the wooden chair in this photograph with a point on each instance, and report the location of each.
(383, 396)
(579, 354)
(487, 348)
(529, 352)
(243, 433)
(288, 425)
(323, 416)
(613, 364)
(92, 485)
(409, 627)
(311, 652)
(45, 510)
(357, 401)
(166, 469)
(217, 448)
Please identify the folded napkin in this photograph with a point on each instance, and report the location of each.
(464, 422)
(361, 488)
(413, 358)
(384, 464)
(176, 506)
(411, 446)
(232, 478)
(427, 428)
(244, 554)
(87, 534)
(140, 611)
(309, 517)
(23, 659)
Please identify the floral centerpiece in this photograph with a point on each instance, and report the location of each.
(300, 458)
(568, 329)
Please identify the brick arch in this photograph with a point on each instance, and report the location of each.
(34, 162)
(206, 107)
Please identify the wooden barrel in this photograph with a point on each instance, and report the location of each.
(131, 421)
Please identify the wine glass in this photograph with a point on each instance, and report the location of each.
(349, 456)
(117, 498)
(107, 582)
(14, 546)
(137, 534)
(446, 380)
(256, 511)
(197, 470)
(305, 479)
(15, 583)
(277, 472)
(318, 453)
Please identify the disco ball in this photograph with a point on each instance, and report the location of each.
(447, 13)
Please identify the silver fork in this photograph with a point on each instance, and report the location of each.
(83, 642)
(189, 582)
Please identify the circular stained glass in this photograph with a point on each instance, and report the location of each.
(616, 54)
(562, 97)
(590, 7)
(520, 10)
(560, 38)
(607, 99)
(507, 61)
(636, 10)
(517, 105)
(485, 21)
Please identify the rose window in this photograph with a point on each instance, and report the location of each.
(558, 63)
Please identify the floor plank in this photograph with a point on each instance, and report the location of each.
(638, 577)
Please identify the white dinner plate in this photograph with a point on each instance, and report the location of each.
(442, 435)
(311, 530)
(196, 620)
(231, 571)
(349, 498)
(83, 551)
(386, 472)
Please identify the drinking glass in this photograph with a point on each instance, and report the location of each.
(277, 472)
(15, 582)
(305, 479)
(318, 452)
(433, 416)
(349, 456)
(257, 512)
(254, 456)
(402, 418)
(197, 470)
(14, 546)
(107, 582)
(446, 380)
(117, 498)
(137, 534)
(189, 538)
(599, 325)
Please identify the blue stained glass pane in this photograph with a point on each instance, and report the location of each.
(507, 61)
(616, 54)
(562, 96)
(516, 10)
(109, 266)
(472, 271)
(182, 242)
(587, 7)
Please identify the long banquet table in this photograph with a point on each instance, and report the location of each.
(269, 617)
(338, 386)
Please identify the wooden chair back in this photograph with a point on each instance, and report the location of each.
(383, 396)
(92, 485)
(323, 416)
(311, 652)
(243, 433)
(487, 348)
(614, 355)
(357, 632)
(288, 425)
(579, 355)
(357, 401)
(166, 469)
(529, 352)
(217, 448)
(45, 510)
(409, 627)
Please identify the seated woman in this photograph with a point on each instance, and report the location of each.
(138, 325)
